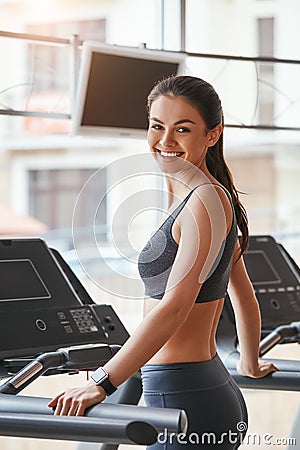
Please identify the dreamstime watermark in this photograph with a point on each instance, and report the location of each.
(268, 439)
(233, 437)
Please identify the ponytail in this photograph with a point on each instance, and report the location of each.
(218, 168)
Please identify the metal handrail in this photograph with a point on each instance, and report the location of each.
(37, 38)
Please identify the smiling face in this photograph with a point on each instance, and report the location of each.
(178, 132)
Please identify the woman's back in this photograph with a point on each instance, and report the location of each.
(195, 339)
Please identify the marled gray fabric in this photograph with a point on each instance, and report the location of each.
(157, 257)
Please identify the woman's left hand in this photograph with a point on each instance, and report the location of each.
(262, 369)
(74, 401)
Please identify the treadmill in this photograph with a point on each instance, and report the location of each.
(276, 280)
(50, 325)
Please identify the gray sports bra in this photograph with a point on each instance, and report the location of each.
(157, 257)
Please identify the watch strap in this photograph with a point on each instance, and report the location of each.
(108, 387)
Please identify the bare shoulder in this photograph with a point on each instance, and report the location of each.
(212, 192)
(212, 200)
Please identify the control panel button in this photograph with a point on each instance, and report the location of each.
(275, 303)
(107, 319)
(41, 325)
(61, 315)
(84, 320)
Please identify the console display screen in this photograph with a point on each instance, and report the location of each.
(20, 280)
(260, 268)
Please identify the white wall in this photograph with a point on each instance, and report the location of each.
(287, 39)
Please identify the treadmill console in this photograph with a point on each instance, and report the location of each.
(276, 280)
(43, 306)
(32, 332)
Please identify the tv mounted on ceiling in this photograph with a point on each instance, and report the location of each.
(113, 86)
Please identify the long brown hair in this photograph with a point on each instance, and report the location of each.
(202, 96)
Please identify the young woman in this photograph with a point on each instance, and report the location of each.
(186, 267)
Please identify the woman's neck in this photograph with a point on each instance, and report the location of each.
(179, 184)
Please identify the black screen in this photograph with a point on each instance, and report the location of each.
(19, 280)
(118, 87)
(260, 269)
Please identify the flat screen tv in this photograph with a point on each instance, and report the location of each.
(113, 86)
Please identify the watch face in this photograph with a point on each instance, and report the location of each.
(99, 375)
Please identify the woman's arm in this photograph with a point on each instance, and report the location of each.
(154, 331)
(248, 321)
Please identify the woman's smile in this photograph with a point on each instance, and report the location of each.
(170, 155)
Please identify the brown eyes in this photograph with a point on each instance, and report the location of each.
(180, 130)
(183, 130)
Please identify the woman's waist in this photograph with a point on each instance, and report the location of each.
(189, 375)
(183, 352)
(192, 342)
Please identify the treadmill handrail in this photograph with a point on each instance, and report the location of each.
(77, 428)
(174, 420)
(277, 335)
(74, 358)
(281, 381)
(286, 379)
(32, 370)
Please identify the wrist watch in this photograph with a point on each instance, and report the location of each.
(101, 378)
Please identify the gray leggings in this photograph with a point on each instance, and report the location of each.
(214, 404)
